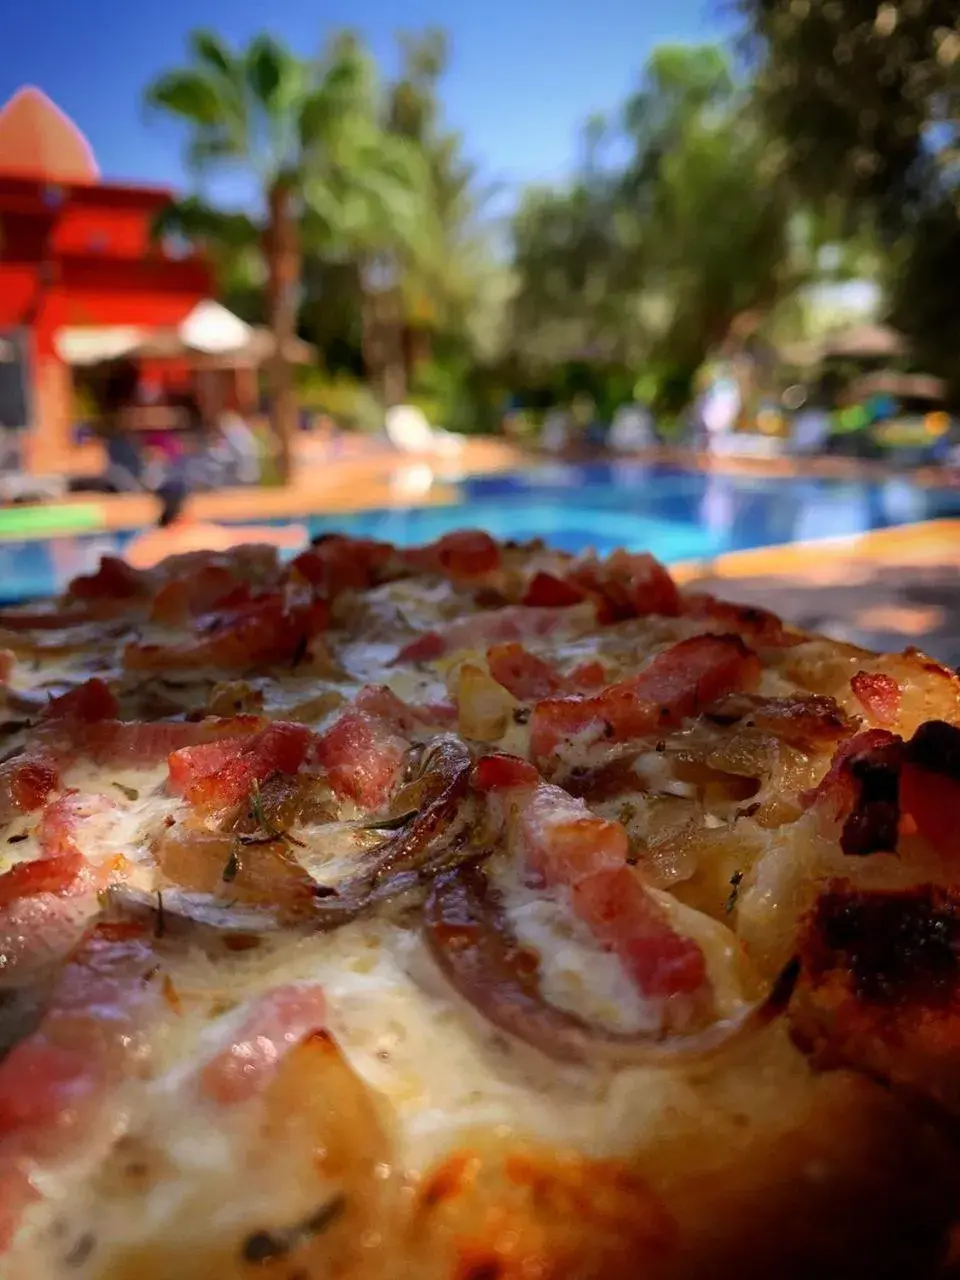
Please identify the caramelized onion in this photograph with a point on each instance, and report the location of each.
(476, 950)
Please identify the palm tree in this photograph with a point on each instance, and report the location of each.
(308, 133)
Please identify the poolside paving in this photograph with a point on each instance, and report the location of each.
(884, 590)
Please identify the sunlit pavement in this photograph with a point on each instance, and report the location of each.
(884, 590)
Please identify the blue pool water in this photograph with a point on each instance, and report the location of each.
(676, 514)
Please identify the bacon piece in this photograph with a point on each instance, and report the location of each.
(479, 630)
(465, 553)
(25, 783)
(208, 587)
(362, 754)
(338, 563)
(761, 627)
(276, 1023)
(678, 683)
(113, 580)
(588, 676)
(522, 673)
(879, 695)
(565, 845)
(546, 591)
(220, 773)
(627, 586)
(56, 1084)
(879, 988)
(87, 703)
(500, 772)
(142, 743)
(262, 633)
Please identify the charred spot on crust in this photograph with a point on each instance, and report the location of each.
(896, 945)
(936, 747)
(873, 825)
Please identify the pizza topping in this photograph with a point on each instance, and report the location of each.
(496, 626)
(680, 682)
(113, 580)
(879, 695)
(56, 1082)
(265, 631)
(546, 591)
(477, 952)
(625, 586)
(809, 723)
(362, 754)
(463, 554)
(278, 1021)
(217, 774)
(335, 564)
(87, 703)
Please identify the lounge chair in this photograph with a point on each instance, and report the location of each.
(409, 432)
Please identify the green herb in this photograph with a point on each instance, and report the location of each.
(232, 868)
(389, 824)
(264, 1246)
(267, 832)
(627, 813)
(130, 792)
(735, 880)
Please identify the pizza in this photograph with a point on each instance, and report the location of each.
(469, 912)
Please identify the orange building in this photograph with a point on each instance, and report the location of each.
(76, 256)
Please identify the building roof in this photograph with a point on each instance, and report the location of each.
(38, 141)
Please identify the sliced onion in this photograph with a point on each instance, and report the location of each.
(476, 950)
(177, 912)
(428, 842)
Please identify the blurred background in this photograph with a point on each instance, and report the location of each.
(243, 247)
(524, 210)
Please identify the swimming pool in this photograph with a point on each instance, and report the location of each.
(676, 514)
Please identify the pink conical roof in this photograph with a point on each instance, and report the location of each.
(38, 141)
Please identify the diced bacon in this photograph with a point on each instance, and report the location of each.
(338, 563)
(265, 632)
(25, 783)
(221, 773)
(522, 673)
(208, 587)
(362, 755)
(479, 630)
(588, 676)
(501, 772)
(563, 842)
(546, 591)
(678, 683)
(53, 874)
(761, 627)
(142, 743)
(113, 580)
(627, 586)
(465, 553)
(626, 919)
(426, 648)
(87, 703)
(277, 1022)
(565, 845)
(879, 695)
(56, 1083)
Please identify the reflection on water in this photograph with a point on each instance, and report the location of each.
(677, 515)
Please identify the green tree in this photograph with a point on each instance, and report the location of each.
(308, 133)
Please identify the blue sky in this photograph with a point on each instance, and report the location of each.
(524, 74)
